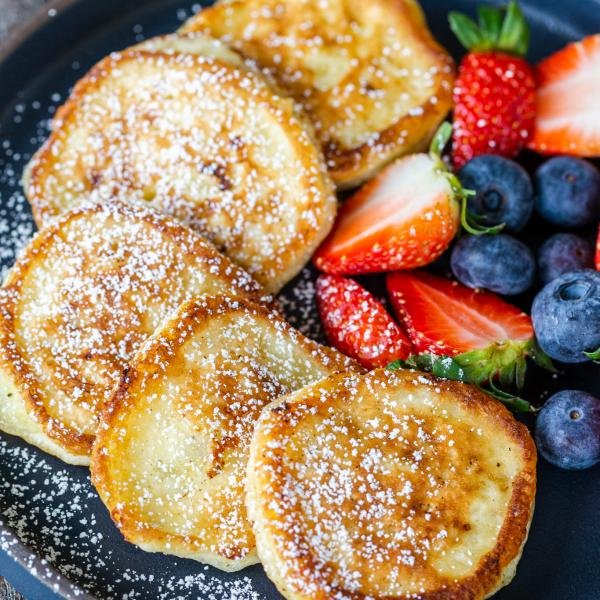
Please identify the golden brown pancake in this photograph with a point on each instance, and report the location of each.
(170, 458)
(368, 73)
(80, 301)
(182, 124)
(390, 485)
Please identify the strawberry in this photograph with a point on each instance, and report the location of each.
(404, 218)
(486, 335)
(494, 94)
(357, 324)
(568, 113)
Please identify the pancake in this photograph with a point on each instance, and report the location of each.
(390, 485)
(80, 301)
(170, 458)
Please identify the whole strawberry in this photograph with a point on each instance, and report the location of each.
(494, 94)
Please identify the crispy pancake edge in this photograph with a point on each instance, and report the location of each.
(495, 570)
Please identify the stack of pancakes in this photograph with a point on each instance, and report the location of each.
(186, 180)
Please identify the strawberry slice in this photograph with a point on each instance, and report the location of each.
(404, 218)
(445, 318)
(568, 111)
(357, 324)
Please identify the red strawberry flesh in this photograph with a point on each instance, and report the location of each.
(357, 324)
(444, 317)
(494, 99)
(568, 110)
(404, 218)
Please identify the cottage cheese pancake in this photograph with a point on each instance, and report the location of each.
(181, 124)
(369, 74)
(80, 301)
(170, 458)
(390, 485)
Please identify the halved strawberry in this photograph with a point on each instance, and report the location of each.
(445, 318)
(568, 111)
(357, 324)
(404, 218)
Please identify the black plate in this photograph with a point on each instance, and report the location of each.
(50, 517)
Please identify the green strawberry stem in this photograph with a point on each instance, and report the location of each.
(503, 360)
(460, 194)
(498, 29)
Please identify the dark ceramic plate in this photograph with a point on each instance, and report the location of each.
(51, 519)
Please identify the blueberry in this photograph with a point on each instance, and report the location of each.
(504, 193)
(499, 263)
(568, 191)
(566, 316)
(567, 432)
(562, 253)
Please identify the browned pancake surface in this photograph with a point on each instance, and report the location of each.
(183, 125)
(171, 455)
(390, 485)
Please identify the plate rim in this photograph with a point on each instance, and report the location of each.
(38, 19)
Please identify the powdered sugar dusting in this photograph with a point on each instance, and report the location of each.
(377, 486)
(170, 462)
(182, 125)
(85, 296)
(41, 523)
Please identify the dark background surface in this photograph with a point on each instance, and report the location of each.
(561, 559)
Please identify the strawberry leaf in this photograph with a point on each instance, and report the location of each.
(461, 194)
(540, 358)
(465, 29)
(467, 219)
(448, 367)
(514, 35)
(490, 23)
(440, 139)
(504, 30)
(513, 402)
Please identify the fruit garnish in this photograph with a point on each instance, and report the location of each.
(503, 191)
(561, 253)
(566, 316)
(488, 337)
(404, 218)
(357, 324)
(568, 191)
(451, 368)
(499, 263)
(494, 93)
(568, 112)
(567, 430)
